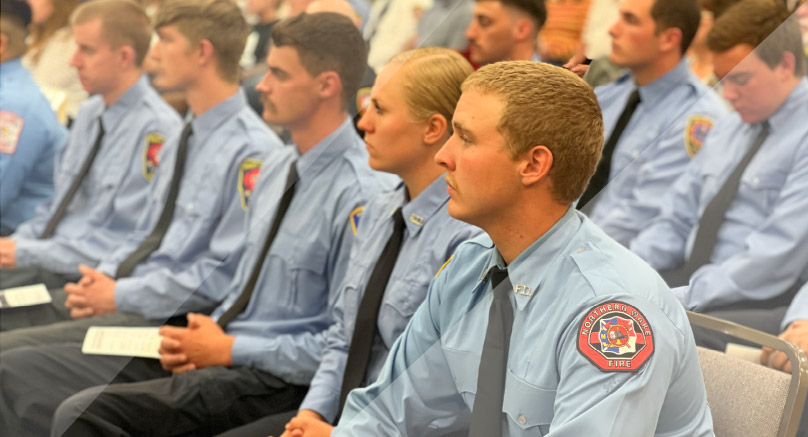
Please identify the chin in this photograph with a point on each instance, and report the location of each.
(457, 212)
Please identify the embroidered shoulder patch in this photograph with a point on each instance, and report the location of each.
(695, 131)
(616, 337)
(354, 219)
(151, 154)
(444, 266)
(363, 100)
(10, 130)
(248, 174)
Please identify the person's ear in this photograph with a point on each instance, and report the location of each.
(670, 40)
(330, 84)
(436, 130)
(785, 68)
(536, 163)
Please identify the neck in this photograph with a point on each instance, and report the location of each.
(515, 230)
(700, 53)
(267, 16)
(523, 51)
(126, 80)
(418, 179)
(323, 122)
(207, 93)
(647, 74)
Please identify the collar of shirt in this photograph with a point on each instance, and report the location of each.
(328, 150)
(210, 120)
(528, 270)
(418, 211)
(796, 99)
(112, 114)
(536, 57)
(661, 87)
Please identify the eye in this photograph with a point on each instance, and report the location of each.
(376, 108)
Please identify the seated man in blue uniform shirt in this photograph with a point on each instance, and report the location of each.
(103, 173)
(406, 124)
(184, 252)
(733, 232)
(655, 117)
(545, 325)
(30, 134)
(265, 341)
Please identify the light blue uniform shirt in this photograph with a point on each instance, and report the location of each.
(201, 248)
(798, 310)
(762, 245)
(30, 135)
(674, 114)
(428, 384)
(430, 238)
(110, 200)
(282, 329)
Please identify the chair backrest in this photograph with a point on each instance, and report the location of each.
(748, 399)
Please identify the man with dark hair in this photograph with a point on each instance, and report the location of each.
(545, 324)
(505, 30)
(29, 131)
(264, 341)
(103, 173)
(656, 116)
(733, 232)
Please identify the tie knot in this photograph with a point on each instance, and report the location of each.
(764, 126)
(634, 98)
(292, 177)
(398, 220)
(499, 275)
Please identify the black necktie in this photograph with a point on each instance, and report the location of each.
(365, 328)
(74, 186)
(155, 238)
(601, 176)
(486, 416)
(715, 211)
(244, 298)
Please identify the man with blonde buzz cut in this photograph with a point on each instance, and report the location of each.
(545, 323)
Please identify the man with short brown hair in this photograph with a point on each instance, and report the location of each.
(656, 116)
(545, 324)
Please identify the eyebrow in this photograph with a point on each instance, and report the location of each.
(277, 71)
(459, 128)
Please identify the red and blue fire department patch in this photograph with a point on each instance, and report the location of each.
(248, 174)
(698, 126)
(151, 154)
(616, 337)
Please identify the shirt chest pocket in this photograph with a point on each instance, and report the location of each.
(199, 196)
(763, 186)
(97, 187)
(528, 409)
(305, 284)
